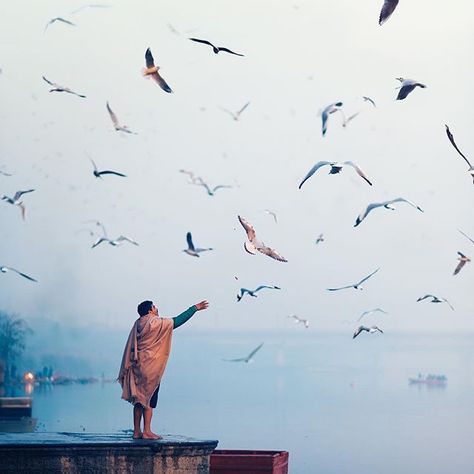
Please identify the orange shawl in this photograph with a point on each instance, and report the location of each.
(144, 358)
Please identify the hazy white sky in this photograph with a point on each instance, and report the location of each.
(299, 57)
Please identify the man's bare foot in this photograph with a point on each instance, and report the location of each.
(137, 435)
(150, 435)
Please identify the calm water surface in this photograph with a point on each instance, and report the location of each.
(337, 405)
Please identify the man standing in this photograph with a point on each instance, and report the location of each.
(144, 361)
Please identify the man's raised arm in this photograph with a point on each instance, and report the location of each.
(183, 317)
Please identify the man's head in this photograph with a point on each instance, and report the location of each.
(146, 307)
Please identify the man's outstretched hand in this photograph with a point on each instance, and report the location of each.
(202, 305)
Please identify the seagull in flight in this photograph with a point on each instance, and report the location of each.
(10, 269)
(3, 173)
(327, 111)
(407, 86)
(247, 359)
(58, 88)
(152, 71)
(15, 200)
(298, 320)
(435, 299)
(193, 179)
(115, 242)
(388, 8)
(368, 99)
(451, 139)
(200, 182)
(192, 250)
(386, 205)
(467, 237)
(273, 214)
(253, 245)
(117, 126)
(98, 174)
(336, 168)
(216, 49)
(58, 18)
(345, 120)
(463, 259)
(319, 239)
(370, 330)
(356, 286)
(236, 115)
(244, 291)
(371, 311)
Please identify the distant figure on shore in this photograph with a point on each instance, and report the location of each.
(144, 361)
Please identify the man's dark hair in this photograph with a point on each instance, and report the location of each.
(144, 307)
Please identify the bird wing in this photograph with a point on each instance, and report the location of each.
(112, 116)
(388, 8)
(404, 91)
(50, 83)
(98, 242)
(340, 288)
(368, 99)
(401, 199)
(359, 330)
(363, 314)
(66, 21)
(242, 109)
(18, 194)
(189, 239)
(375, 328)
(348, 119)
(271, 253)
(197, 40)
(446, 301)
(365, 213)
(226, 50)
(220, 186)
(421, 298)
(248, 229)
(358, 170)
(368, 276)
(459, 266)
(254, 351)
(261, 287)
(161, 82)
(123, 238)
(465, 235)
(22, 274)
(313, 170)
(241, 359)
(116, 173)
(150, 62)
(451, 139)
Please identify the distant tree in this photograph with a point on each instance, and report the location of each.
(13, 333)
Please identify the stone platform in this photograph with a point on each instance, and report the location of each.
(101, 453)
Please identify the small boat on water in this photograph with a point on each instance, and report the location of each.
(15, 415)
(430, 379)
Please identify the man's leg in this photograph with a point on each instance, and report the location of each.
(147, 433)
(137, 418)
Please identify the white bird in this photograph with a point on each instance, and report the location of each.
(236, 115)
(320, 238)
(451, 139)
(152, 71)
(244, 291)
(192, 250)
(386, 205)
(407, 86)
(467, 237)
(10, 269)
(58, 18)
(114, 242)
(192, 176)
(59, 88)
(356, 286)
(298, 320)
(98, 174)
(435, 299)
(327, 111)
(210, 191)
(247, 359)
(253, 245)
(336, 168)
(273, 214)
(463, 259)
(370, 330)
(117, 126)
(15, 200)
(388, 8)
(371, 311)
(368, 99)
